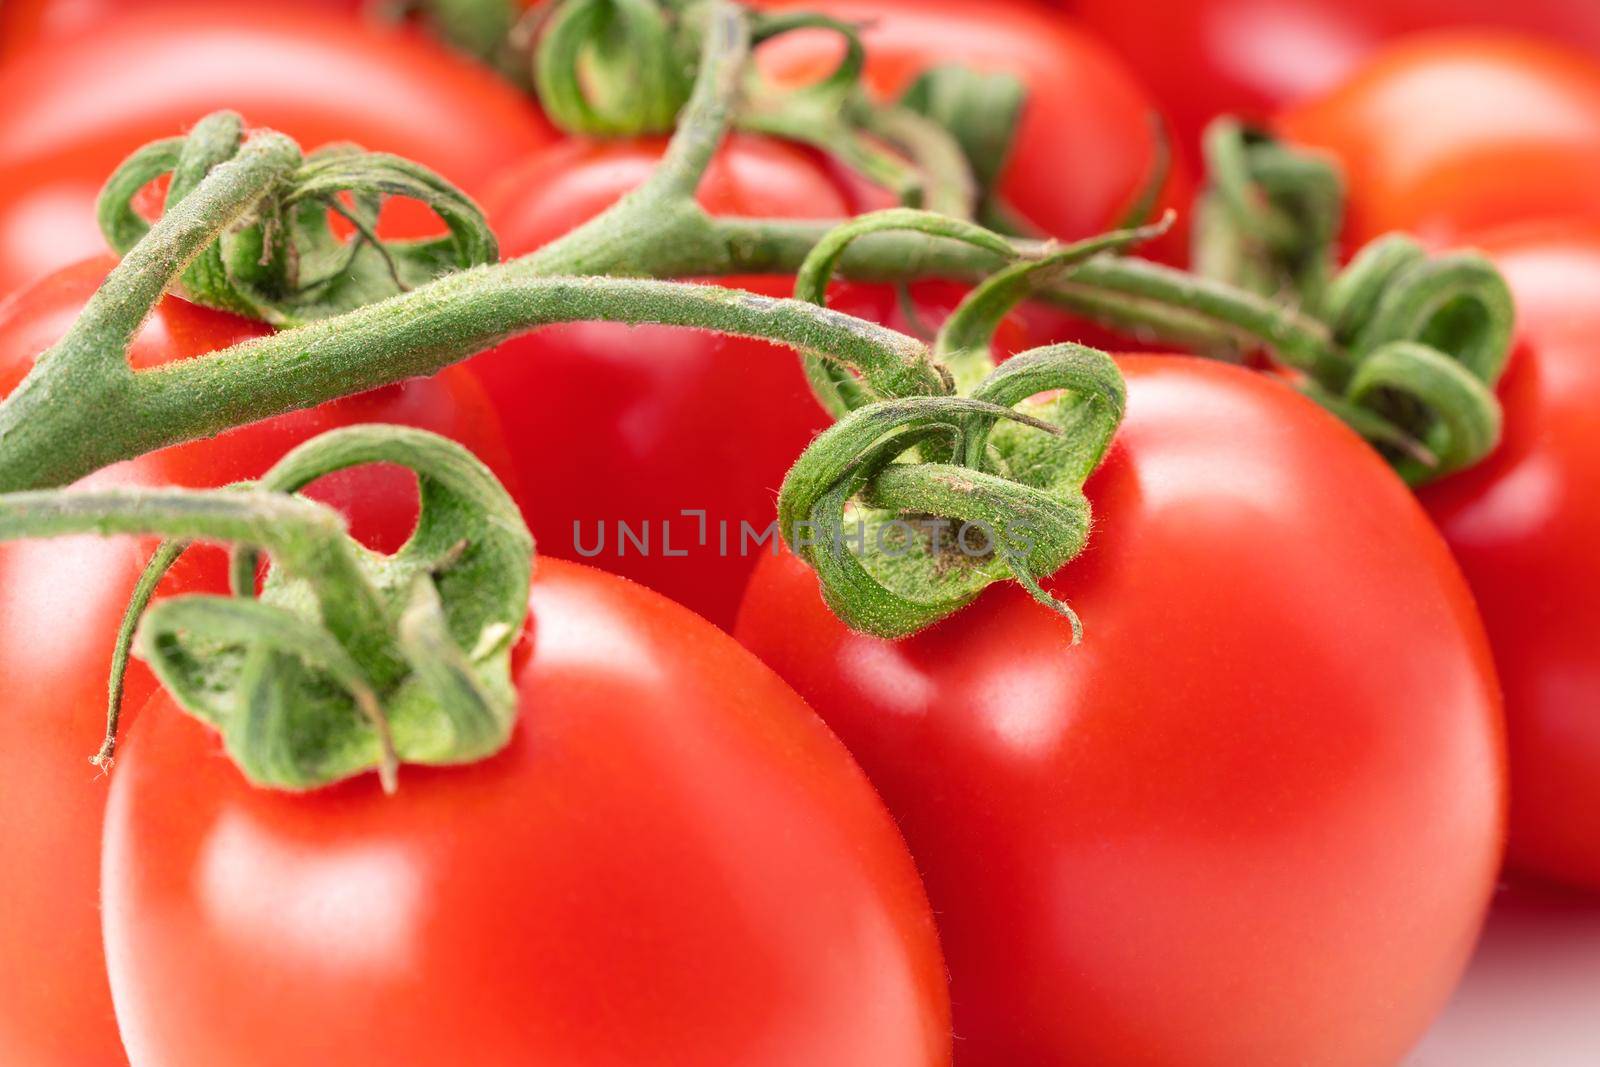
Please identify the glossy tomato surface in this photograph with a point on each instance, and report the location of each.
(674, 863)
(1205, 58)
(1524, 525)
(1087, 146)
(60, 604)
(610, 424)
(77, 106)
(1255, 817)
(1448, 134)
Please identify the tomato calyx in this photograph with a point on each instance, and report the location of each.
(613, 68)
(909, 506)
(619, 68)
(1269, 217)
(1422, 340)
(284, 264)
(347, 661)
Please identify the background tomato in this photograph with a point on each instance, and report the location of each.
(1524, 524)
(23, 23)
(1204, 58)
(674, 863)
(1255, 818)
(1087, 146)
(1449, 134)
(609, 423)
(77, 106)
(60, 604)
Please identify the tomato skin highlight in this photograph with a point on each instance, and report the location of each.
(609, 424)
(60, 604)
(1250, 58)
(77, 107)
(1447, 135)
(1086, 147)
(673, 863)
(1267, 791)
(1524, 525)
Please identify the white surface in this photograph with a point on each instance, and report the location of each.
(1532, 995)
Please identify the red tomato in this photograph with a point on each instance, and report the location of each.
(1204, 58)
(674, 863)
(60, 603)
(609, 424)
(76, 107)
(25, 22)
(1256, 817)
(1087, 144)
(1524, 525)
(1449, 134)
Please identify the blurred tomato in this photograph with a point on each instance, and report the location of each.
(1204, 58)
(1525, 526)
(613, 424)
(77, 106)
(24, 23)
(1448, 134)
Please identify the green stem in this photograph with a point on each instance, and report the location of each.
(144, 592)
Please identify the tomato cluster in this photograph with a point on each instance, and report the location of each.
(1255, 816)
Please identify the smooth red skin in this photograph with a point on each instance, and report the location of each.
(674, 863)
(1524, 524)
(60, 604)
(1455, 133)
(608, 423)
(1255, 818)
(23, 23)
(1204, 58)
(76, 107)
(1086, 146)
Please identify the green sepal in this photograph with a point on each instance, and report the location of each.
(614, 68)
(285, 265)
(1268, 219)
(1015, 477)
(298, 705)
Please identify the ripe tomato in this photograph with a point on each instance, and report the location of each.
(609, 424)
(1450, 134)
(1087, 144)
(60, 604)
(1204, 58)
(25, 22)
(77, 106)
(1256, 817)
(674, 863)
(1524, 524)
